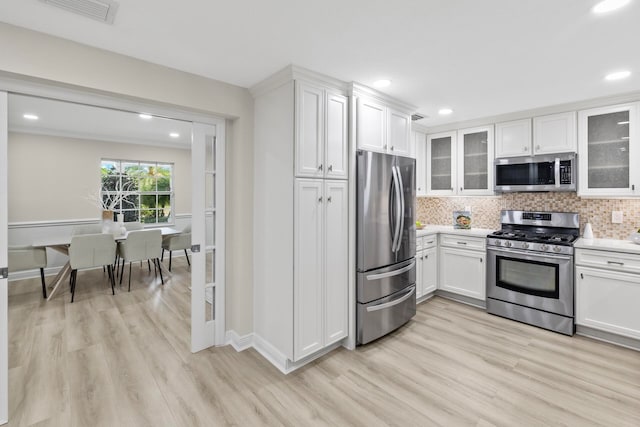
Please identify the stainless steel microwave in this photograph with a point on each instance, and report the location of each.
(550, 172)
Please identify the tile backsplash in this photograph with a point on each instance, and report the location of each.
(486, 210)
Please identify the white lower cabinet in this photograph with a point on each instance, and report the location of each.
(608, 300)
(426, 265)
(321, 264)
(462, 271)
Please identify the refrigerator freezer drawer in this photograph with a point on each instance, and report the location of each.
(375, 284)
(380, 317)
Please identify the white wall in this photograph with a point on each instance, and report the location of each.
(50, 177)
(35, 55)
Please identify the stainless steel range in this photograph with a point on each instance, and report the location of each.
(530, 269)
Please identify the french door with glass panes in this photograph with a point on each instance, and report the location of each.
(208, 238)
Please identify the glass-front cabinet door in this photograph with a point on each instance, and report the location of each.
(475, 161)
(607, 138)
(441, 165)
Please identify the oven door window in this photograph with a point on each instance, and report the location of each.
(529, 277)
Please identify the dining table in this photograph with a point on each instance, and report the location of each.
(62, 245)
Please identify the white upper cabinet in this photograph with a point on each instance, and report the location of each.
(337, 147)
(371, 125)
(309, 130)
(475, 161)
(513, 139)
(441, 165)
(399, 133)
(321, 132)
(607, 143)
(555, 133)
(420, 144)
(382, 128)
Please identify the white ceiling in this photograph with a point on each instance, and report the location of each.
(480, 58)
(87, 122)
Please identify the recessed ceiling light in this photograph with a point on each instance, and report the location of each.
(618, 75)
(145, 116)
(174, 135)
(445, 111)
(381, 83)
(609, 5)
(30, 117)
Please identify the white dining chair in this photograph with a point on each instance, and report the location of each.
(22, 258)
(177, 242)
(139, 246)
(86, 229)
(88, 251)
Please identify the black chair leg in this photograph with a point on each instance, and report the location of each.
(74, 275)
(170, 254)
(149, 264)
(113, 279)
(44, 286)
(121, 271)
(129, 276)
(162, 257)
(187, 255)
(160, 269)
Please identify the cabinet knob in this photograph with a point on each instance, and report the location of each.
(329, 199)
(330, 168)
(526, 148)
(320, 167)
(392, 148)
(419, 188)
(320, 199)
(537, 147)
(460, 188)
(426, 256)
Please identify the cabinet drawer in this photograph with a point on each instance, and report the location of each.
(430, 241)
(462, 242)
(610, 260)
(419, 243)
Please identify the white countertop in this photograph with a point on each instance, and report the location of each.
(448, 229)
(608, 245)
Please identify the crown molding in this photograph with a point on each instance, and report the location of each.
(294, 72)
(358, 89)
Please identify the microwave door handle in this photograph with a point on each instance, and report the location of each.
(557, 173)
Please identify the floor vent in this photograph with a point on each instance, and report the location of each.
(101, 10)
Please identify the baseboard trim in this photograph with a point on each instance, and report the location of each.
(239, 343)
(608, 337)
(270, 353)
(32, 274)
(462, 298)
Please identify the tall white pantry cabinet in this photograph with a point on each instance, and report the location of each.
(301, 226)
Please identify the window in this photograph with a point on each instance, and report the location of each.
(146, 187)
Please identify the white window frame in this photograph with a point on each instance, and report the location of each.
(171, 193)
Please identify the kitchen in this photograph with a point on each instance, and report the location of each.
(442, 331)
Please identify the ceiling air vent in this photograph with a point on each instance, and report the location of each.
(416, 117)
(100, 10)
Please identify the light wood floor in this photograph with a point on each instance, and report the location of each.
(125, 361)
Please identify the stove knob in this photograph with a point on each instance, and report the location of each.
(525, 245)
(556, 249)
(497, 242)
(507, 244)
(543, 247)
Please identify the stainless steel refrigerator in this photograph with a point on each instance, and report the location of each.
(386, 244)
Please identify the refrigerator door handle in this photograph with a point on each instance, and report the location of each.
(392, 303)
(402, 207)
(391, 273)
(395, 246)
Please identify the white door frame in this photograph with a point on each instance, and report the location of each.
(10, 83)
(207, 331)
(4, 308)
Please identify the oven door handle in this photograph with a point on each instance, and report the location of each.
(540, 254)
